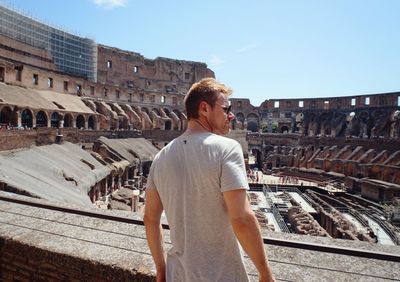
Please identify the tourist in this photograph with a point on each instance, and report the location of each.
(199, 179)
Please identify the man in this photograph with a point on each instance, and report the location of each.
(199, 179)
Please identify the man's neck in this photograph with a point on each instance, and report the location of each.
(198, 126)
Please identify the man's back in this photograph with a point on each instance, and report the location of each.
(190, 175)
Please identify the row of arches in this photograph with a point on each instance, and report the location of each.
(28, 118)
(362, 124)
(126, 116)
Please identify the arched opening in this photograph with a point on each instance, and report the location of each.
(156, 111)
(168, 125)
(146, 110)
(80, 122)
(325, 124)
(284, 129)
(311, 125)
(167, 112)
(41, 119)
(8, 117)
(91, 122)
(26, 118)
(55, 120)
(366, 124)
(68, 120)
(252, 122)
(123, 122)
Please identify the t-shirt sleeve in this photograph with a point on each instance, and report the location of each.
(233, 170)
(150, 178)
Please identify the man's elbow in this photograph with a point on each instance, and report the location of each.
(243, 221)
(149, 219)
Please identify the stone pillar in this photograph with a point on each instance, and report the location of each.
(49, 120)
(135, 200)
(19, 118)
(97, 124)
(33, 120)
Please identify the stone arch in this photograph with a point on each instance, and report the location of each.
(252, 116)
(157, 111)
(252, 122)
(325, 126)
(147, 123)
(144, 109)
(68, 120)
(91, 122)
(299, 125)
(167, 112)
(55, 120)
(41, 119)
(284, 129)
(27, 118)
(8, 116)
(80, 122)
(366, 124)
(380, 123)
(182, 119)
(156, 119)
(239, 120)
(240, 117)
(170, 122)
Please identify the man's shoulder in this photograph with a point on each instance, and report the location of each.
(223, 141)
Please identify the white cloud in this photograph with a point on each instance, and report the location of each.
(215, 61)
(248, 47)
(109, 4)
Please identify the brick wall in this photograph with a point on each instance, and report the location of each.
(21, 262)
(161, 135)
(15, 139)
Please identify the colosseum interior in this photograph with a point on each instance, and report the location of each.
(324, 167)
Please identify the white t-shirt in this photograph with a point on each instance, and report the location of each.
(190, 174)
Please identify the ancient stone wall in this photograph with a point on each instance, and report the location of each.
(21, 262)
(17, 139)
(132, 70)
(362, 116)
(14, 139)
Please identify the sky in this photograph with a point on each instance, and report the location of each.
(262, 49)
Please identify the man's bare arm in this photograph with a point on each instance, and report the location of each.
(247, 230)
(152, 216)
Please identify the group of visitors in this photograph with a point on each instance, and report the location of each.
(9, 126)
(253, 175)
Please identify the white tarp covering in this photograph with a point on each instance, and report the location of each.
(53, 172)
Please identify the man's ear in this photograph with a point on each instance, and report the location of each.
(203, 108)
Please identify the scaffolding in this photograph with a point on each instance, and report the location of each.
(71, 54)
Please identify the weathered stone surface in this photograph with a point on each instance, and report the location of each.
(89, 249)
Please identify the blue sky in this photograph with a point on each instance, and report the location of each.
(262, 49)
